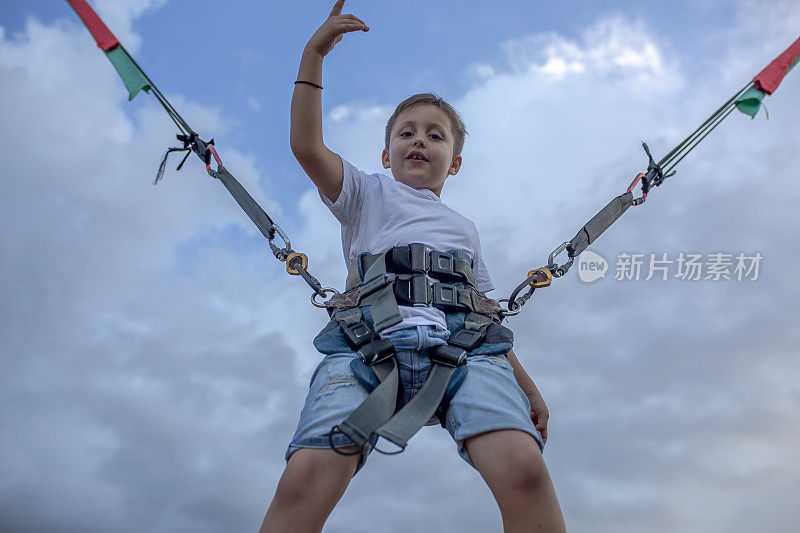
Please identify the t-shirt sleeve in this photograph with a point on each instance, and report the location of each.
(348, 204)
(481, 272)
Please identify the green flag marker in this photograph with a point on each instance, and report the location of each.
(131, 74)
(750, 101)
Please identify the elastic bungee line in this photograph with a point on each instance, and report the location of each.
(136, 79)
(655, 175)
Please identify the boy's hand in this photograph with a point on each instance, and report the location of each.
(333, 29)
(539, 413)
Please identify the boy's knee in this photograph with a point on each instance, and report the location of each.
(328, 470)
(516, 462)
(526, 470)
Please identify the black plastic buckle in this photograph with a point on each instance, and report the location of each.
(408, 259)
(445, 296)
(449, 355)
(466, 338)
(357, 335)
(420, 260)
(442, 264)
(377, 351)
(412, 291)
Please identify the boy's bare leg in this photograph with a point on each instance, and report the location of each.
(512, 465)
(312, 483)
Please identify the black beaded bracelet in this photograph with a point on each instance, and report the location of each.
(308, 83)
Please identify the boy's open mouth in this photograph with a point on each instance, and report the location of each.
(416, 156)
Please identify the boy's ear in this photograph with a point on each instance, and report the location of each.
(455, 166)
(385, 158)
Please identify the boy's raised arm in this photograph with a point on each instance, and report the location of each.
(322, 166)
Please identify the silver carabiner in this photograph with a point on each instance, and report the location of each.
(283, 236)
(551, 260)
(556, 270)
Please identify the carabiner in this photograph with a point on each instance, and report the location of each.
(557, 270)
(641, 199)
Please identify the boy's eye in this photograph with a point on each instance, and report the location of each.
(404, 133)
(436, 135)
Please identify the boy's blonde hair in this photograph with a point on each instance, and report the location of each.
(456, 124)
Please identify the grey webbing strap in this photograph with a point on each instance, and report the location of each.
(353, 277)
(377, 408)
(416, 413)
(599, 223)
(383, 305)
(462, 267)
(476, 322)
(246, 202)
(349, 317)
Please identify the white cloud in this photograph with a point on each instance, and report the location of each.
(615, 49)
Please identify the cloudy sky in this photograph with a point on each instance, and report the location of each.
(155, 357)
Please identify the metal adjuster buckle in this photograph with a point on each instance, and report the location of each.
(357, 335)
(449, 355)
(442, 263)
(377, 351)
(466, 339)
(445, 296)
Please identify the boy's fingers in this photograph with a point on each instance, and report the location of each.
(337, 8)
(352, 26)
(350, 19)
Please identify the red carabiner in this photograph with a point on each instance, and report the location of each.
(637, 201)
(216, 156)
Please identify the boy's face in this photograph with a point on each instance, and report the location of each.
(422, 130)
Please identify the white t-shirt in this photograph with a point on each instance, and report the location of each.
(377, 212)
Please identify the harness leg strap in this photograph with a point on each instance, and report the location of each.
(416, 413)
(381, 403)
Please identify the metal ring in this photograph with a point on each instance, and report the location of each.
(395, 452)
(509, 312)
(325, 291)
(334, 431)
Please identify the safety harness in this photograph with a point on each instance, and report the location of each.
(377, 284)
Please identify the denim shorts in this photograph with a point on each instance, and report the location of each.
(489, 399)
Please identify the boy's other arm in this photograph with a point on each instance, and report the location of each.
(322, 165)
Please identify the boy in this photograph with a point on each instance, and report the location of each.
(490, 416)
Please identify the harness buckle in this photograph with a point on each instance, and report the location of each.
(445, 296)
(420, 261)
(442, 264)
(466, 338)
(376, 351)
(447, 355)
(357, 335)
(413, 291)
